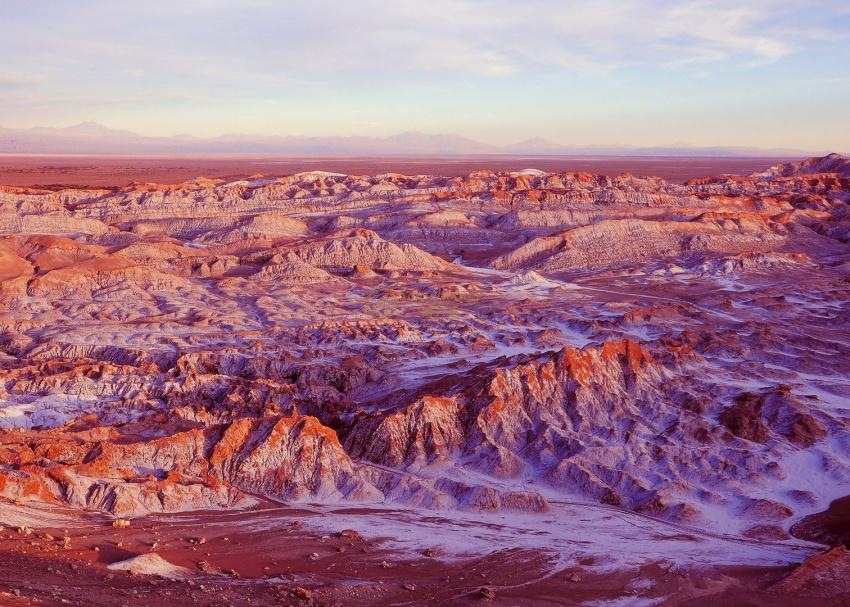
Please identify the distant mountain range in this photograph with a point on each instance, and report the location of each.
(94, 138)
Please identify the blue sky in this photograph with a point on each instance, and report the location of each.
(641, 72)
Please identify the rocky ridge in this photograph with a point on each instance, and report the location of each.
(496, 342)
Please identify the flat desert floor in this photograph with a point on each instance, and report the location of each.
(119, 171)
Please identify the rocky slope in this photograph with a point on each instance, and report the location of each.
(499, 342)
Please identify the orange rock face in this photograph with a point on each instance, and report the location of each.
(499, 342)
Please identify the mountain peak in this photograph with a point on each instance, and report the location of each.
(536, 145)
(537, 141)
(89, 130)
(94, 137)
(88, 127)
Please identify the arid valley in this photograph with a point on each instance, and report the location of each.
(506, 386)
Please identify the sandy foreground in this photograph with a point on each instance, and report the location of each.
(271, 554)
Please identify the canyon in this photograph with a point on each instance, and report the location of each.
(516, 387)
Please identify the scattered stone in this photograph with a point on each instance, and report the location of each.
(349, 534)
(302, 593)
(485, 594)
(150, 564)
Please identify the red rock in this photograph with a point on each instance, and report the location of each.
(676, 350)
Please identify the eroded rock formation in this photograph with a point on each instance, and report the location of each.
(500, 341)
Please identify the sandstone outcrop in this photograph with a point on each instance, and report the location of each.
(492, 342)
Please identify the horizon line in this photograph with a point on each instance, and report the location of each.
(569, 149)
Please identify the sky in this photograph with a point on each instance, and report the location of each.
(760, 73)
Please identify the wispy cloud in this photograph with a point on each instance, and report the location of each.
(398, 37)
(300, 63)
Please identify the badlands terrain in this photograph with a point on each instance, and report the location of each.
(515, 388)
